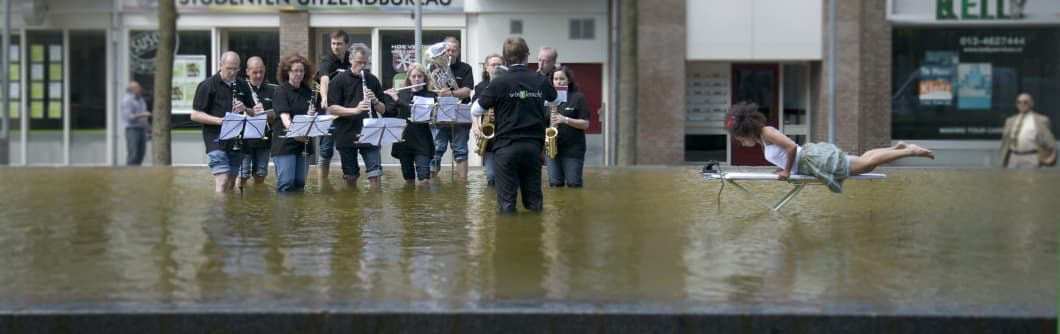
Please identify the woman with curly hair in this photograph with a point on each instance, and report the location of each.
(291, 99)
(824, 161)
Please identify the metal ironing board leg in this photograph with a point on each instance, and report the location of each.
(775, 207)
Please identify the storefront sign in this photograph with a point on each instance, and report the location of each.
(974, 11)
(317, 5)
(188, 71)
(937, 75)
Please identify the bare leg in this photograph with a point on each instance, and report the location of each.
(374, 182)
(220, 182)
(323, 169)
(868, 162)
(259, 179)
(351, 182)
(461, 168)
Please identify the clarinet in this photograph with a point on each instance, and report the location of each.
(312, 102)
(239, 140)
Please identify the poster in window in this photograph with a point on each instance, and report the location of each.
(937, 75)
(974, 85)
(188, 71)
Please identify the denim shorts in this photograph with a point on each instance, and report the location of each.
(457, 135)
(222, 162)
(373, 162)
(256, 161)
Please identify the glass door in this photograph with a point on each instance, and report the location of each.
(44, 54)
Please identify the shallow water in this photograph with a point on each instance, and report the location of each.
(972, 242)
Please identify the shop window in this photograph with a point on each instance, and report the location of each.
(88, 79)
(264, 44)
(142, 48)
(961, 83)
(398, 47)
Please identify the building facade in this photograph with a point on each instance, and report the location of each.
(71, 61)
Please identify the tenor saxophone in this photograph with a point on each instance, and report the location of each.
(551, 133)
(488, 130)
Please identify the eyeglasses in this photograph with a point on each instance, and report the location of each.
(296, 71)
(1023, 102)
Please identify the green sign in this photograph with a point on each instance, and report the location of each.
(975, 10)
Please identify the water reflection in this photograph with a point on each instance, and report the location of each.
(981, 240)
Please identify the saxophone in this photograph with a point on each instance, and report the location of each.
(551, 133)
(488, 130)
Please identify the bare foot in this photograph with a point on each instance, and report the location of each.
(900, 145)
(921, 152)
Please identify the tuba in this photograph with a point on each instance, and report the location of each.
(438, 62)
(551, 132)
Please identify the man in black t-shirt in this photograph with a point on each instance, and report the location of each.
(456, 135)
(219, 94)
(351, 102)
(518, 101)
(331, 64)
(256, 152)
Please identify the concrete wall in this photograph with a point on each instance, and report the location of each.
(661, 82)
(754, 30)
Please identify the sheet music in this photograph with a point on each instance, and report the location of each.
(252, 127)
(422, 109)
(382, 131)
(463, 113)
(309, 126)
(447, 110)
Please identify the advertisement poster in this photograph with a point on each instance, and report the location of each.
(398, 52)
(938, 73)
(974, 86)
(188, 71)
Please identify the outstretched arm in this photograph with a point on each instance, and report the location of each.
(775, 137)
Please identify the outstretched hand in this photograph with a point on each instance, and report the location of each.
(783, 175)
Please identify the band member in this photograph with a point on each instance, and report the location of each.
(492, 62)
(221, 93)
(292, 98)
(351, 102)
(547, 57)
(456, 135)
(518, 100)
(571, 119)
(416, 147)
(256, 151)
(331, 64)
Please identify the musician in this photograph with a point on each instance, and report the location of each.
(331, 64)
(518, 100)
(456, 135)
(351, 102)
(492, 62)
(221, 93)
(547, 57)
(292, 99)
(256, 151)
(571, 119)
(416, 146)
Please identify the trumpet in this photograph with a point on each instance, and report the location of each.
(551, 133)
(488, 130)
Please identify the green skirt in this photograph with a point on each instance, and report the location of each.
(827, 163)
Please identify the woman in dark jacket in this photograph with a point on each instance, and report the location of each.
(416, 147)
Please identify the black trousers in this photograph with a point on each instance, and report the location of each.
(517, 168)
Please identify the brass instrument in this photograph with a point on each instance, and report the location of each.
(438, 65)
(488, 130)
(552, 132)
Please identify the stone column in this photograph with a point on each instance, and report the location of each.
(661, 82)
(294, 34)
(863, 77)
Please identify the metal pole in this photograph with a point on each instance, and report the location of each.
(831, 70)
(419, 30)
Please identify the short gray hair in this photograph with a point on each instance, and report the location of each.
(361, 48)
(551, 50)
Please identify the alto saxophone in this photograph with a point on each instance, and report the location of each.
(488, 130)
(551, 133)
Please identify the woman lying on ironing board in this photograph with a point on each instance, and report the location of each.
(824, 161)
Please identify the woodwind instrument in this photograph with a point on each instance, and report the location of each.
(239, 140)
(551, 132)
(257, 101)
(310, 111)
(488, 130)
(364, 93)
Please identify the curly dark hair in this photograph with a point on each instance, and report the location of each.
(745, 121)
(571, 84)
(282, 74)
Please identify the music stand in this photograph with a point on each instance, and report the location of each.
(448, 108)
(252, 127)
(309, 126)
(382, 131)
(422, 109)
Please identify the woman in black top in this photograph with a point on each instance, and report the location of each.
(291, 99)
(572, 118)
(416, 147)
